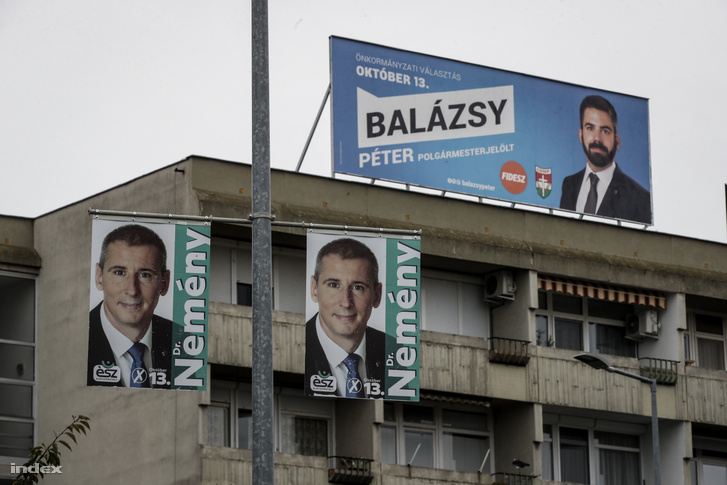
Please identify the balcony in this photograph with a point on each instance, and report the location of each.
(509, 351)
(344, 469)
(663, 371)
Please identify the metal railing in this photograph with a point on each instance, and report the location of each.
(511, 479)
(509, 351)
(661, 370)
(345, 469)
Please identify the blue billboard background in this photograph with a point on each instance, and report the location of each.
(545, 134)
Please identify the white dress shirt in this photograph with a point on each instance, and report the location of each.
(120, 346)
(604, 180)
(335, 356)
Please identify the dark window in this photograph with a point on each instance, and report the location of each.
(244, 294)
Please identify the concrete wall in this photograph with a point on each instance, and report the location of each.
(461, 365)
(511, 318)
(515, 436)
(229, 466)
(16, 231)
(137, 436)
(17, 251)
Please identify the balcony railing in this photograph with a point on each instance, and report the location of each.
(344, 469)
(509, 351)
(663, 371)
(511, 479)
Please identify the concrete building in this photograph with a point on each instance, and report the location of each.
(510, 296)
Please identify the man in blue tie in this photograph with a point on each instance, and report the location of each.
(345, 357)
(128, 345)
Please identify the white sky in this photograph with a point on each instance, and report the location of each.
(94, 93)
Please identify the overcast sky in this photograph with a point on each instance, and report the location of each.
(94, 93)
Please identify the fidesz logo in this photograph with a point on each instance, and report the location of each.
(108, 372)
(323, 383)
(513, 177)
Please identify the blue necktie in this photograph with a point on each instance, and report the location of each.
(139, 376)
(354, 386)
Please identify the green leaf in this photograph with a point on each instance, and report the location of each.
(65, 444)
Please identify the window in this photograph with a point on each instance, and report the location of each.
(454, 303)
(704, 340)
(434, 436)
(244, 294)
(231, 280)
(714, 474)
(709, 466)
(581, 323)
(574, 455)
(302, 426)
(17, 364)
(546, 452)
(218, 417)
(302, 435)
(591, 455)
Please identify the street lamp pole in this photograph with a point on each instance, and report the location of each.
(600, 363)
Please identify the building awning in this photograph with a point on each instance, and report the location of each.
(602, 292)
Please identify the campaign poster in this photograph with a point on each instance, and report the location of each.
(458, 127)
(149, 303)
(363, 315)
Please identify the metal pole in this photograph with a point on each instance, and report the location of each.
(159, 217)
(262, 308)
(655, 434)
(601, 363)
(313, 130)
(655, 449)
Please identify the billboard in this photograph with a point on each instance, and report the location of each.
(458, 127)
(149, 303)
(363, 317)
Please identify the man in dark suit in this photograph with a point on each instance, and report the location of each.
(345, 357)
(602, 188)
(133, 275)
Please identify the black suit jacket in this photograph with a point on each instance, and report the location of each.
(100, 353)
(316, 363)
(624, 198)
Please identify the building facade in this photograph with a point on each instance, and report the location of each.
(509, 297)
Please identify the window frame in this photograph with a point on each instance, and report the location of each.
(692, 337)
(437, 429)
(707, 450)
(237, 396)
(460, 280)
(592, 448)
(26, 383)
(237, 255)
(588, 324)
(701, 461)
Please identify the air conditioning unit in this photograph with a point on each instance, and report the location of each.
(500, 286)
(643, 324)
